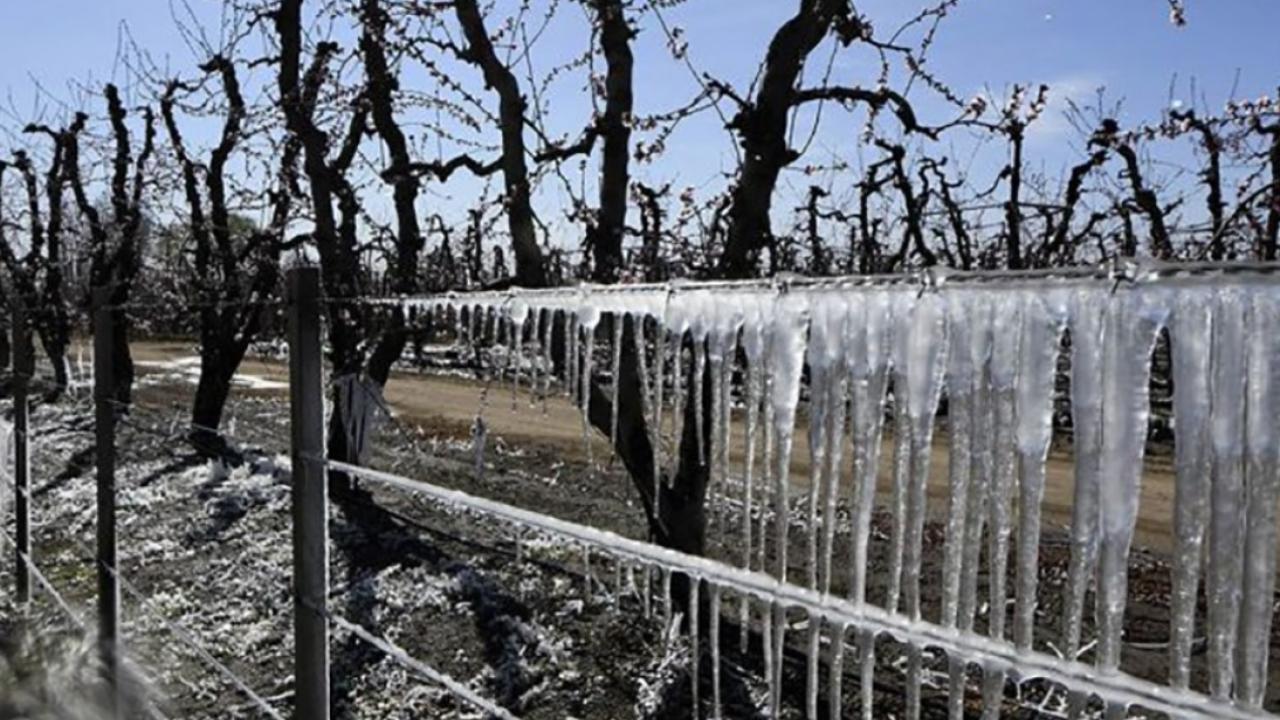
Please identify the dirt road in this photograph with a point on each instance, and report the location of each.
(448, 405)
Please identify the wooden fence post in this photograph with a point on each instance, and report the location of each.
(105, 442)
(23, 369)
(310, 497)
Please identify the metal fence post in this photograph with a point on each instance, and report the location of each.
(105, 441)
(310, 497)
(23, 369)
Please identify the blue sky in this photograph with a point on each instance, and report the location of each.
(1075, 46)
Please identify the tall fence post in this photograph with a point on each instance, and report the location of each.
(104, 426)
(23, 369)
(310, 497)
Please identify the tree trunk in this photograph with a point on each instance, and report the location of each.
(762, 129)
(212, 392)
(530, 269)
(610, 226)
(681, 522)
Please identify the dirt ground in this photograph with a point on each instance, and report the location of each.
(449, 404)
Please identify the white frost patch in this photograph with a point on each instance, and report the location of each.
(187, 369)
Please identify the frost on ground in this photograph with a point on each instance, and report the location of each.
(207, 547)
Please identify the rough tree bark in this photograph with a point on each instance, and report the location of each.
(333, 232)
(1143, 196)
(605, 235)
(1013, 206)
(114, 254)
(762, 131)
(233, 275)
(37, 275)
(381, 85)
(530, 269)
(1271, 237)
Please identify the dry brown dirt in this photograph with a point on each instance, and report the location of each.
(448, 405)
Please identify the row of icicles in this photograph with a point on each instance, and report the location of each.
(866, 355)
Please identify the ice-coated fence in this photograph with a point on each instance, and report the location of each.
(861, 349)
(953, 374)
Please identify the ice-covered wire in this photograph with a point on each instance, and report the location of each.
(1111, 686)
(1118, 272)
(405, 659)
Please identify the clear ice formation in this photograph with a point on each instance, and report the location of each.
(834, 360)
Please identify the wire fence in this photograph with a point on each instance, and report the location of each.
(701, 315)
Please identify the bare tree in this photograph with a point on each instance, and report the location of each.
(235, 269)
(37, 275)
(113, 248)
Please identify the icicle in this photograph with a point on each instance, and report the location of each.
(1132, 325)
(814, 665)
(820, 361)
(646, 597)
(926, 364)
(1009, 310)
(767, 487)
(722, 362)
(679, 397)
(837, 410)
(590, 318)
(548, 364)
(833, 388)
(1226, 509)
(914, 670)
(474, 326)
(715, 490)
(586, 571)
(659, 388)
(1041, 334)
(992, 690)
(981, 459)
(459, 334)
(699, 407)
(1262, 474)
(667, 609)
(960, 379)
(787, 360)
(753, 347)
(867, 672)
(535, 361)
(1087, 343)
(519, 546)
(869, 373)
(766, 641)
(571, 356)
(714, 621)
(901, 477)
(696, 654)
(1191, 343)
(835, 677)
(616, 374)
(957, 683)
(519, 313)
(779, 653)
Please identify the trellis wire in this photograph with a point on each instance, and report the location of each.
(1111, 686)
